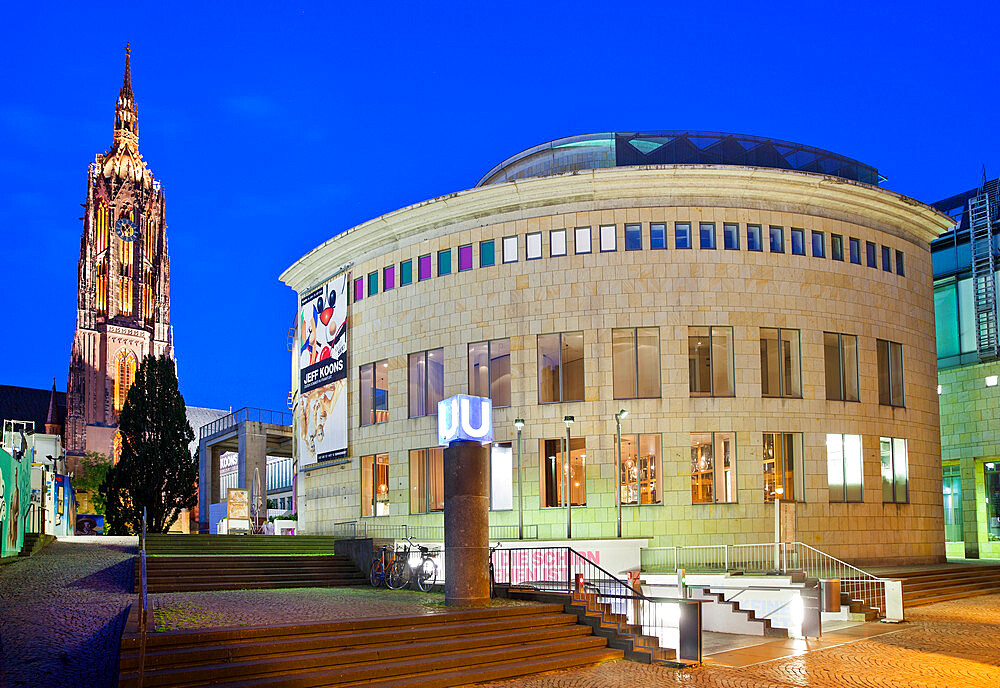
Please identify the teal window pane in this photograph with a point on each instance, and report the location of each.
(444, 262)
(406, 273)
(372, 283)
(946, 321)
(966, 316)
(487, 254)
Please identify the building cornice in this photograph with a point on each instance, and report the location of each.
(725, 186)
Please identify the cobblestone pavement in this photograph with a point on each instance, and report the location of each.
(177, 610)
(62, 612)
(949, 644)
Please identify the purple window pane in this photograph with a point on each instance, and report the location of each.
(389, 278)
(464, 258)
(423, 268)
(359, 289)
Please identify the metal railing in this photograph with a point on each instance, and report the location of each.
(669, 629)
(401, 531)
(143, 600)
(771, 557)
(247, 413)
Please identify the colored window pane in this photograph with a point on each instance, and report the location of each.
(837, 247)
(405, 273)
(798, 242)
(899, 264)
(886, 259)
(487, 254)
(389, 278)
(754, 240)
(372, 283)
(706, 233)
(855, 246)
(682, 235)
(533, 245)
(633, 237)
(424, 268)
(557, 242)
(818, 245)
(657, 236)
(465, 258)
(777, 239)
(359, 289)
(731, 236)
(444, 262)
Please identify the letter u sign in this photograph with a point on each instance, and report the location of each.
(462, 417)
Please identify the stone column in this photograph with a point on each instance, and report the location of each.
(970, 517)
(253, 454)
(466, 524)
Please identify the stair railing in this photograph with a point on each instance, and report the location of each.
(669, 629)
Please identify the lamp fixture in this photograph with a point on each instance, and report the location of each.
(569, 420)
(519, 423)
(622, 414)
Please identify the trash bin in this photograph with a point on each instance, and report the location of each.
(829, 595)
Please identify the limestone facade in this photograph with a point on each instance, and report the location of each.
(671, 290)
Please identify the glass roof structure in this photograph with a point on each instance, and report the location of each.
(595, 151)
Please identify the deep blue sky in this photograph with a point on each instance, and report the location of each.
(275, 126)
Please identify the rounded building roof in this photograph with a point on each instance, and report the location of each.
(595, 151)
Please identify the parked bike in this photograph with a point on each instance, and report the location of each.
(413, 564)
(381, 560)
(492, 578)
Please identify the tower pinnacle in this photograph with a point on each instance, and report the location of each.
(126, 114)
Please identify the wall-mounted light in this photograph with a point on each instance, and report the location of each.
(939, 389)
(991, 380)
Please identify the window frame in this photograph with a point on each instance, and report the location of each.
(372, 283)
(782, 393)
(871, 254)
(406, 272)
(487, 258)
(427, 453)
(841, 367)
(797, 462)
(885, 390)
(527, 246)
(845, 496)
(420, 267)
(718, 477)
(359, 289)
(837, 247)
(562, 387)
(776, 231)
(688, 241)
(663, 228)
(854, 250)
(444, 262)
(552, 243)
(489, 369)
(821, 236)
(900, 267)
(731, 230)
(372, 397)
(656, 474)
(799, 233)
(462, 251)
(375, 501)
(389, 277)
(608, 231)
(886, 259)
(755, 236)
(409, 383)
(712, 365)
(894, 464)
(587, 232)
(635, 360)
(708, 227)
(505, 243)
(543, 475)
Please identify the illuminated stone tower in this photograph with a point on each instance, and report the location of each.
(123, 300)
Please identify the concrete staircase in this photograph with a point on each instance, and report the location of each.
(33, 542)
(238, 572)
(178, 544)
(447, 649)
(939, 584)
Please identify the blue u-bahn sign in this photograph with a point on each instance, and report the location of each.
(462, 417)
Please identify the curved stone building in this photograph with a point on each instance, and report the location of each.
(762, 310)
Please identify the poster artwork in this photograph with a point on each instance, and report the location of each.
(322, 351)
(238, 505)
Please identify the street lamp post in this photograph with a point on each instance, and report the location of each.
(519, 424)
(777, 528)
(618, 467)
(568, 420)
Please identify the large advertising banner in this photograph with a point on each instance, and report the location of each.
(322, 350)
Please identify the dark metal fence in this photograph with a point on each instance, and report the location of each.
(247, 413)
(366, 529)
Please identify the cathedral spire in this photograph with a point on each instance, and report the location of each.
(126, 114)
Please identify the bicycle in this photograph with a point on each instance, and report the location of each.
(377, 576)
(409, 567)
(492, 577)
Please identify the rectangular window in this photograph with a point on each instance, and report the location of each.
(871, 250)
(533, 246)
(582, 242)
(389, 278)
(706, 234)
(424, 268)
(844, 468)
(952, 478)
(783, 466)
(837, 247)
(639, 470)
(731, 236)
(465, 258)
(991, 478)
(510, 249)
(755, 241)
(373, 283)
(899, 264)
(635, 361)
(489, 371)
(895, 473)
(374, 392)
(554, 473)
(487, 253)
(657, 236)
(426, 480)
(501, 477)
(780, 363)
(375, 485)
(444, 262)
(405, 273)
(777, 239)
(426, 382)
(886, 259)
(890, 373)
(798, 242)
(560, 367)
(609, 238)
(710, 481)
(557, 242)
(682, 235)
(818, 245)
(359, 289)
(633, 237)
(710, 361)
(855, 246)
(840, 352)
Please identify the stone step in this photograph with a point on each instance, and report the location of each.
(253, 585)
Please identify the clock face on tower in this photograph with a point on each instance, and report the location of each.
(126, 229)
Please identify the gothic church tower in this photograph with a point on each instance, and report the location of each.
(123, 301)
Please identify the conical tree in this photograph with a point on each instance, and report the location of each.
(156, 469)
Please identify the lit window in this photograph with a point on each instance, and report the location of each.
(818, 245)
(124, 377)
(844, 468)
(582, 240)
(754, 240)
(633, 237)
(489, 371)
(731, 236)
(706, 234)
(895, 473)
(465, 258)
(682, 235)
(777, 239)
(840, 352)
(426, 382)
(635, 361)
(783, 466)
(487, 253)
(657, 236)
(837, 247)
(798, 242)
(426, 480)
(890, 373)
(713, 467)
(560, 367)
(710, 361)
(639, 472)
(510, 249)
(609, 238)
(374, 485)
(444, 262)
(374, 392)
(555, 472)
(557, 242)
(533, 243)
(780, 364)
(501, 476)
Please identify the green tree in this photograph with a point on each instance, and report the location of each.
(156, 469)
(94, 468)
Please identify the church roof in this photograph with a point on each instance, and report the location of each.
(29, 403)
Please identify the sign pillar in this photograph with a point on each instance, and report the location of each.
(465, 426)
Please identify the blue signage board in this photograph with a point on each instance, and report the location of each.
(462, 417)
